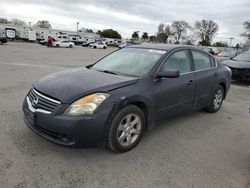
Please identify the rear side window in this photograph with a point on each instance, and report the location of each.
(201, 60)
(178, 61)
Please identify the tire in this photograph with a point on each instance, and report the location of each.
(94, 46)
(57, 45)
(104, 47)
(70, 46)
(216, 100)
(129, 134)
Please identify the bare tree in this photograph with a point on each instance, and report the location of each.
(205, 30)
(18, 22)
(247, 29)
(179, 28)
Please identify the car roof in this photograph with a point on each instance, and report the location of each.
(165, 47)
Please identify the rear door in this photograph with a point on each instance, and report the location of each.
(206, 76)
(174, 95)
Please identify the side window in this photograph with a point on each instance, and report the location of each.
(201, 60)
(178, 61)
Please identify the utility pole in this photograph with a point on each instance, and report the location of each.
(77, 23)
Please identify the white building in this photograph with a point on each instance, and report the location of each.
(28, 33)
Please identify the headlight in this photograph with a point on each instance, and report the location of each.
(86, 105)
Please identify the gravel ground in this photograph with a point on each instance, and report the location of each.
(193, 150)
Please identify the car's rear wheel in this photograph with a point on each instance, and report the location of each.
(104, 47)
(57, 45)
(217, 100)
(126, 129)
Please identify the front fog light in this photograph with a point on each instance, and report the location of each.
(86, 105)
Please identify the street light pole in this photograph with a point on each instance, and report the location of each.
(231, 38)
(77, 23)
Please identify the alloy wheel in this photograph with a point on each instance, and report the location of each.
(129, 130)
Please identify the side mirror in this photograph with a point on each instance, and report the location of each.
(168, 74)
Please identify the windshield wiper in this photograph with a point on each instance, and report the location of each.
(107, 71)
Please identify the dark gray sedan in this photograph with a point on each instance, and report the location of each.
(112, 102)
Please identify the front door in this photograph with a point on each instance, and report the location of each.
(175, 95)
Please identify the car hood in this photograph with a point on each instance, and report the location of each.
(67, 86)
(236, 64)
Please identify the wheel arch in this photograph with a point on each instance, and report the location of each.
(142, 103)
(224, 86)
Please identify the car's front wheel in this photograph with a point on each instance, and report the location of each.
(217, 100)
(57, 45)
(70, 46)
(126, 129)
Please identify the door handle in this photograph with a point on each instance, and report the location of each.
(216, 74)
(190, 82)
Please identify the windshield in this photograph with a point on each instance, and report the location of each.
(130, 61)
(243, 57)
(226, 54)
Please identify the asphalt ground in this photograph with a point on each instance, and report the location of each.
(192, 150)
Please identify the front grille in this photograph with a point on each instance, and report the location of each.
(40, 101)
(236, 70)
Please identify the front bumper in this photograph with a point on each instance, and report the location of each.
(240, 74)
(85, 131)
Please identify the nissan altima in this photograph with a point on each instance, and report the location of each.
(113, 102)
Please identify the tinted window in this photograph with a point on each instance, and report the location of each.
(178, 61)
(201, 60)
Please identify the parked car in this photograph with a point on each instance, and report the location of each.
(240, 66)
(3, 38)
(86, 44)
(100, 45)
(227, 54)
(65, 44)
(43, 42)
(112, 102)
(125, 45)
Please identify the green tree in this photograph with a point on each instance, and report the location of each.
(164, 31)
(3, 20)
(220, 44)
(179, 28)
(152, 38)
(205, 30)
(145, 36)
(43, 24)
(135, 35)
(110, 33)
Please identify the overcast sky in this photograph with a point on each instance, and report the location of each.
(131, 15)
